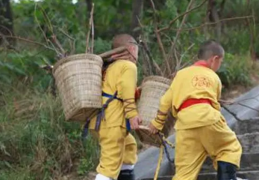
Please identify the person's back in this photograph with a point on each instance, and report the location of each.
(196, 82)
(120, 77)
(201, 130)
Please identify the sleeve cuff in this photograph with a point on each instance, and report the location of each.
(157, 125)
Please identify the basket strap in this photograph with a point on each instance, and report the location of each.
(100, 115)
(128, 125)
(85, 129)
(104, 94)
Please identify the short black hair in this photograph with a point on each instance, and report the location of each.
(210, 48)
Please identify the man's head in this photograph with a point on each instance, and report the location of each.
(213, 53)
(129, 42)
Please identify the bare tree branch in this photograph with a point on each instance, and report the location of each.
(54, 38)
(173, 47)
(181, 15)
(153, 63)
(184, 19)
(147, 70)
(183, 54)
(72, 41)
(137, 7)
(212, 23)
(57, 43)
(146, 65)
(42, 31)
(89, 30)
(29, 41)
(159, 40)
(92, 17)
(7, 29)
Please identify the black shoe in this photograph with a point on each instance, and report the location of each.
(126, 175)
(226, 171)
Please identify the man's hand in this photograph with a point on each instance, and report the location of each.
(135, 122)
(152, 128)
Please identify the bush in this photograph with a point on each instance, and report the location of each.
(35, 140)
(235, 70)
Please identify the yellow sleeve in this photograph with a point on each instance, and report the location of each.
(126, 88)
(219, 89)
(165, 105)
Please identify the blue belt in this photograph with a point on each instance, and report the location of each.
(111, 96)
(100, 114)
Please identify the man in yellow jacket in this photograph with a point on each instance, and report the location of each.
(118, 146)
(201, 130)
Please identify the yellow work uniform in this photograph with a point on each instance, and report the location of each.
(201, 130)
(117, 145)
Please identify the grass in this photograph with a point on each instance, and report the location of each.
(35, 140)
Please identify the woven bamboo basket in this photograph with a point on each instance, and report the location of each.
(79, 82)
(153, 88)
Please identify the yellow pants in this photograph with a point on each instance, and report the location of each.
(193, 146)
(117, 147)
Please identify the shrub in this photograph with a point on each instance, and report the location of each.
(35, 140)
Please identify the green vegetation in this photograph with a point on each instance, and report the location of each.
(35, 140)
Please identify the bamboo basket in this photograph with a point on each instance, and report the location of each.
(153, 88)
(79, 82)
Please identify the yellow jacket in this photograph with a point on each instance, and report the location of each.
(194, 82)
(121, 76)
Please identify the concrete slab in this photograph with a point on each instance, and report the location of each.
(246, 126)
(246, 175)
(250, 142)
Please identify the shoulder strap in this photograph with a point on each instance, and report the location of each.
(100, 115)
(114, 96)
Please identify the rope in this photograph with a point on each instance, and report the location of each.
(164, 142)
(163, 148)
(168, 142)
(161, 153)
(128, 103)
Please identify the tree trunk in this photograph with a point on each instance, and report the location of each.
(214, 17)
(6, 19)
(137, 7)
(89, 7)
